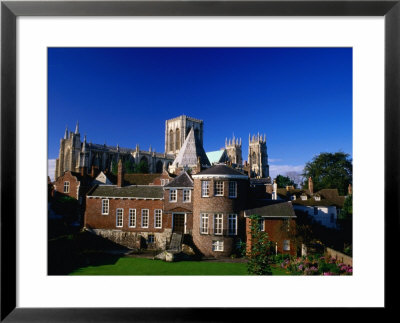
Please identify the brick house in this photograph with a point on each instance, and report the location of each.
(178, 203)
(219, 198)
(278, 220)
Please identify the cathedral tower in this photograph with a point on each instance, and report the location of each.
(234, 150)
(258, 158)
(176, 131)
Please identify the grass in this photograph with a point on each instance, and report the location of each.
(142, 266)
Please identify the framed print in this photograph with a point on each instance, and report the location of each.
(44, 43)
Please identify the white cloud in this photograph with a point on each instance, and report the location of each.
(275, 170)
(51, 168)
(274, 160)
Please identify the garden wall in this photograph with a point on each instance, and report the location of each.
(340, 256)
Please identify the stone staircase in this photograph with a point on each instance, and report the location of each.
(176, 242)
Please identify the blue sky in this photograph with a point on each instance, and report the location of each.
(301, 98)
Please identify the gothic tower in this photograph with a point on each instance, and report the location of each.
(234, 150)
(69, 156)
(176, 131)
(258, 158)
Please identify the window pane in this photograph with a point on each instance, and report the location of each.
(218, 224)
(132, 217)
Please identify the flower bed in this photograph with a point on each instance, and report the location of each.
(316, 265)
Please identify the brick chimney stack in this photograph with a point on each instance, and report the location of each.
(310, 186)
(350, 189)
(120, 177)
(92, 172)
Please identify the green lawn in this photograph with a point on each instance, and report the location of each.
(142, 266)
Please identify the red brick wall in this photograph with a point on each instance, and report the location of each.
(73, 185)
(95, 220)
(277, 232)
(219, 204)
(180, 206)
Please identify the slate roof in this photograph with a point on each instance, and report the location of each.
(283, 210)
(182, 180)
(220, 170)
(329, 197)
(190, 150)
(138, 191)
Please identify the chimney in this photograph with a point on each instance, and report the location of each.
(120, 179)
(350, 189)
(198, 165)
(92, 173)
(310, 186)
(83, 171)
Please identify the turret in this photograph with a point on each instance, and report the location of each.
(77, 128)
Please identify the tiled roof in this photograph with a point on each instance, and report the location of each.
(220, 170)
(284, 209)
(140, 179)
(182, 180)
(138, 191)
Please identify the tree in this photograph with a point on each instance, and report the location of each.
(347, 210)
(142, 167)
(259, 253)
(283, 181)
(330, 170)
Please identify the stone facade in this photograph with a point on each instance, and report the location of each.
(258, 157)
(176, 131)
(234, 150)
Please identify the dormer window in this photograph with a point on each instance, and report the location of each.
(293, 197)
(317, 198)
(303, 197)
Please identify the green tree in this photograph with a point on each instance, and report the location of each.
(347, 210)
(283, 181)
(329, 170)
(259, 253)
(129, 167)
(142, 167)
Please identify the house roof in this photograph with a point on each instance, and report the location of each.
(220, 169)
(190, 151)
(140, 179)
(182, 180)
(277, 210)
(137, 191)
(216, 156)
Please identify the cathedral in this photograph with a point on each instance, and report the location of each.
(183, 150)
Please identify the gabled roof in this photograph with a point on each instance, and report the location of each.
(137, 191)
(190, 151)
(182, 180)
(220, 170)
(217, 156)
(277, 210)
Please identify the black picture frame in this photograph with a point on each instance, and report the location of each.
(10, 10)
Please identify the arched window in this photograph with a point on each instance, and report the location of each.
(171, 140)
(159, 167)
(177, 139)
(254, 158)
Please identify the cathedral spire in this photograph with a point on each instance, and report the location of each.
(66, 132)
(77, 128)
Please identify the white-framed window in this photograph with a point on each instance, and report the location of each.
(105, 206)
(119, 218)
(145, 218)
(172, 195)
(219, 188)
(205, 188)
(218, 246)
(162, 182)
(66, 187)
(303, 197)
(204, 223)
(293, 197)
(218, 225)
(232, 189)
(186, 196)
(286, 245)
(261, 223)
(132, 218)
(158, 219)
(232, 224)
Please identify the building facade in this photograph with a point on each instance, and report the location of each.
(258, 157)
